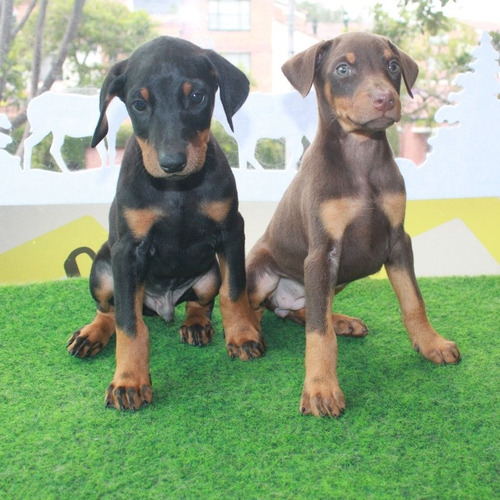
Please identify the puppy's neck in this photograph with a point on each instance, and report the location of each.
(335, 136)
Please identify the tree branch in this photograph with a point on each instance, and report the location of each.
(68, 37)
(22, 22)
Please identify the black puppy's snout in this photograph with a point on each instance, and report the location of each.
(172, 162)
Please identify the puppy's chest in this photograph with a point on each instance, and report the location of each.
(178, 224)
(369, 216)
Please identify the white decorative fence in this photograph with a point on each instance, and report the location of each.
(453, 212)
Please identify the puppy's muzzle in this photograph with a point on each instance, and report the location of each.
(172, 162)
(383, 100)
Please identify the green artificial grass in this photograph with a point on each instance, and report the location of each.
(230, 429)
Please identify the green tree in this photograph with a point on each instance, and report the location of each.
(105, 32)
(440, 45)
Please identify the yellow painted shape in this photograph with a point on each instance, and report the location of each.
(43, 257)
(480, 215)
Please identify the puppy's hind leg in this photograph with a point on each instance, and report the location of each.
(92, 338)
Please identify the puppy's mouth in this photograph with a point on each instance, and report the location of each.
(380, 123)
(367, 124)
(175, 177)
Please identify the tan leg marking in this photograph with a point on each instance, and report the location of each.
(197, 327)
(422, 336)
(241, 323)
(131, 385)
(321, 395)
(394, 207)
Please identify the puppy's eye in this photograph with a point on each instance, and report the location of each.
(393, 67)
(196, 98)
(139, 105)
(343, 69)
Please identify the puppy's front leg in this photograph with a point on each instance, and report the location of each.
(321, 395)
(422, 335)
(131, 385)
(241, 326)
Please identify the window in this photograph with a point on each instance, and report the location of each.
(229, 15)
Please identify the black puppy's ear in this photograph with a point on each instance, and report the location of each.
(112, 87)
(233, 84)
(301, 68)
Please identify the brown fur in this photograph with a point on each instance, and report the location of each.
(342, 217)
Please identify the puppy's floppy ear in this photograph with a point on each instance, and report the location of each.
(410, 71)
(233, 84)
(409, 68)
(112, 86)
(301, 68)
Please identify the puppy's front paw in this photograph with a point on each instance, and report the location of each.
(322, 400)
(438, 350)
(245, 343)
(128, 397)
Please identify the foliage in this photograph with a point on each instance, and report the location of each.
(441, 46)
(107, 30)
(226, 142)
(124, 132)
(318, 12)
(269, 152)
(427, 14)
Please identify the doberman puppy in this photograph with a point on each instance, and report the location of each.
(175, 233)
(342, 216)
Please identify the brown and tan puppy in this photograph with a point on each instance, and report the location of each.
(342, 217)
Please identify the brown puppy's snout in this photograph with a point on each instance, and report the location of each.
(383, 100)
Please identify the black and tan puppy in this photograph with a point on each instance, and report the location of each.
(342, 216)
(175, 233)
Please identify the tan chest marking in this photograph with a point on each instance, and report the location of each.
(337, 214)
(141, 220)
(216, 210)
(393, 205)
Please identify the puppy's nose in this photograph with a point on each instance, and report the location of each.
(383, 100)
(172, 162)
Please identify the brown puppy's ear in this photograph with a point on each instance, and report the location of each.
(112, 87)
(300, 69)
(233, 84)
(409, 68)
(410, 71)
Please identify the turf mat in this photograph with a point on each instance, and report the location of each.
(229, 429)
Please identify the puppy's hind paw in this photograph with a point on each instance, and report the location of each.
(349, 327)
(196, 334)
